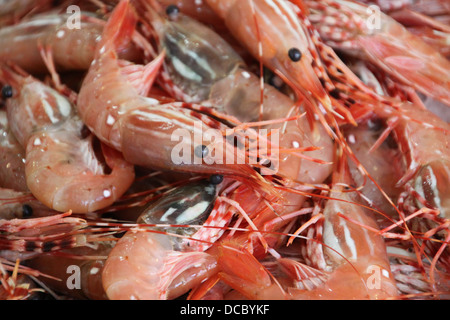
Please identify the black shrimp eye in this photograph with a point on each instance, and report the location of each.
(266, 163)
(335, 93)
(7, 91)
(216, 179)
(201, 151)
(172, 10)
(27, 211)
(295, 54)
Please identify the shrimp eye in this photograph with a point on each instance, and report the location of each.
(27, 211)
(295, 54)
(335, 93)
(201, 151)
(266, 163)
(216, 179)
(7, 91)
(172, 10)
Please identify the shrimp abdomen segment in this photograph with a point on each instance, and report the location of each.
(64, 174)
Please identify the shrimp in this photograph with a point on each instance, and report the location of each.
(354, 252)
(73, 48)
(12, 158)
(157, 265)
(389, 46)
(224, 82)
(283, 43)
(112, 102)
(62, 169)
(217, 94)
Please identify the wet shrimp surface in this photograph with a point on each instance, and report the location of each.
(224, 149)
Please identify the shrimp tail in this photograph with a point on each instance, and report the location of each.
(244, 273)
(182, 265)
(119, 29)
(57, 178)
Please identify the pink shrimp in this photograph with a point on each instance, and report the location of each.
(413, 121)
(423, 140)
(157, 265)
(225, 83)
(112, 102)
(272, 32)
(356, 254)
(73, 48)
(61, 168)
(409, 59)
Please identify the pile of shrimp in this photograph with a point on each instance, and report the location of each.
(352, 200)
